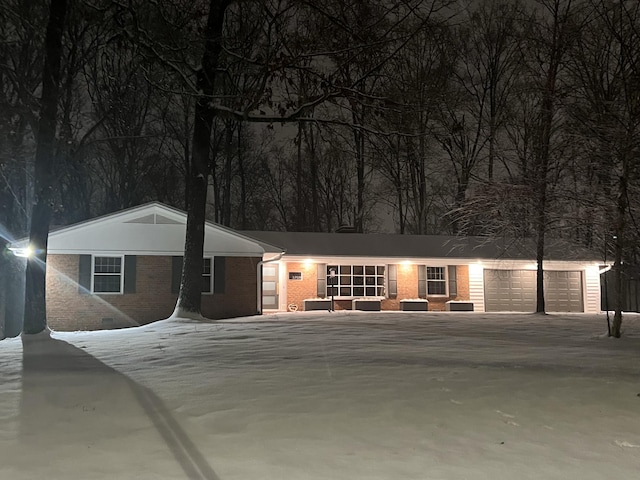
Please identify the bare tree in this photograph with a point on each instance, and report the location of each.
(35, 314)
(606, 112)
(415, 84)
(552, 29)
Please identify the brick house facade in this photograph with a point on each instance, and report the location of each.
(407, 287)
(70, 306)
(124, 270)
(424, 272)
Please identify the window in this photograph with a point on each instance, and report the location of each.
(436, 281)
(207, 286)
(107, 275)
(355, 280)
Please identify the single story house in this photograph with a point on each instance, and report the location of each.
(422, 272)
(124, 269)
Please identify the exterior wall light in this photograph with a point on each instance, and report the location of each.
(23, 252)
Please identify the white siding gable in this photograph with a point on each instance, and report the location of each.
(152, 229)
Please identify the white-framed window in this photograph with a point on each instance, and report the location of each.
(107, 274)
(436, 281)
(207, 275)
(355, 280)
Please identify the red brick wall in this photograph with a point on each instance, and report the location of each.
(298, 290)
(67, 309)
(462, 277)
(407, 286)
(462, 274)
(241, 290)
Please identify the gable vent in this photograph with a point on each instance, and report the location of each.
(160, 220)
(154, 219)
(149, 219)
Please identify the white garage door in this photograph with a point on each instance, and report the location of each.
(510, 290)
(515, 291)
(563, 291)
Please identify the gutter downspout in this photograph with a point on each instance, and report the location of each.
(258, 276)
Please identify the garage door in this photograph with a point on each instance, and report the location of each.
(515, 291)
(563, 291)
(510, 290)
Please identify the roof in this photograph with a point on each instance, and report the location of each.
(415, 246)
(149, 229)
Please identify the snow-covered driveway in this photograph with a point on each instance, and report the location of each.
(348, 395)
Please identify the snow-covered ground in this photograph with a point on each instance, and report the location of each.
(342, 396)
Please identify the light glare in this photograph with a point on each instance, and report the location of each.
(23, 252)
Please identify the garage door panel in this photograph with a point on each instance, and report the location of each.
(515, 291)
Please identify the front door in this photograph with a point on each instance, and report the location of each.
(270, 298)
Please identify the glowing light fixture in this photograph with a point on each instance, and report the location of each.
(405, 265)
(24, 252)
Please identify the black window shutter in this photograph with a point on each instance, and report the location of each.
(453, 281)
(176, 273)
(84, 274)
(219, 274)
(422, 281)
(392, 280)
(322, 280)
(129, 274)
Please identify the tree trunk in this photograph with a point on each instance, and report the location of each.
(243, 181)
(228, 174)
(492, 134)
(540, 306)
(313, 174)
(461, 196)
(541, 214)
(358, 136)
(300, 196)
(621, 210)
(35, 312)
(190, 296)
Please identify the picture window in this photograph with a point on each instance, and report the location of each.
(356, 280)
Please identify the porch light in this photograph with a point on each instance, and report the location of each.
(475, 270)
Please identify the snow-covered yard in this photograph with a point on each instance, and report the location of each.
(347, 395)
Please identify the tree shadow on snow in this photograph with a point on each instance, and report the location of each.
(79, 413)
